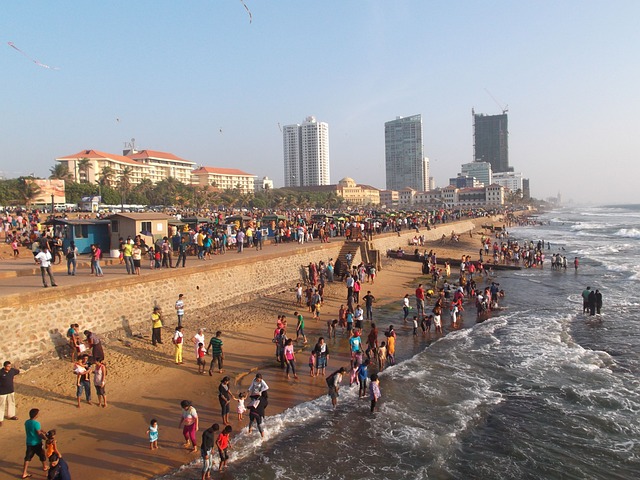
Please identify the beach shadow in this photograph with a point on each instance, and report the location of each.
(31, 390)
(60, 343)
(126, 326)
(107, 466)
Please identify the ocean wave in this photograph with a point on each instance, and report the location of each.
(628, 233)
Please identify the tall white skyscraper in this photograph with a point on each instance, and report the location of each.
(306, 153)
(406, 165)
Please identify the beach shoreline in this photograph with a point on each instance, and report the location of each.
(98, 442)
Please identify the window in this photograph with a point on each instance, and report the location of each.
(81, 231)
(145, 227)
(115, 226)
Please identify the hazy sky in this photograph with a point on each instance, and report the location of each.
(175, 73)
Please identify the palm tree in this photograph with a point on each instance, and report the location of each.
(84, 165)
(27, 190)
(60, 171)
(106, 176)
(124, 182)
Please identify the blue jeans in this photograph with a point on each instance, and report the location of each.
(96, 267)
(71, 262)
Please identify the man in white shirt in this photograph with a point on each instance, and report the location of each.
(44, 259)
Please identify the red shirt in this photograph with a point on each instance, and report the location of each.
(223, 441)
(420, 293)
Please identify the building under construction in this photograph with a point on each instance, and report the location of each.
(491, 140)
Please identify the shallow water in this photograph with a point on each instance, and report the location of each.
(538, 391)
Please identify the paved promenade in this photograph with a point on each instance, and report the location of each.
(22, 275)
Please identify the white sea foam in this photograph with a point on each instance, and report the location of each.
(628, 233)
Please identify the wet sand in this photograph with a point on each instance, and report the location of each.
(143, 381)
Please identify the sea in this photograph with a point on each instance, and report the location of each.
(537, 391)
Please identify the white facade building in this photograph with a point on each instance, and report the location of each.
(306, 153)
(509, 180)
(480, 170)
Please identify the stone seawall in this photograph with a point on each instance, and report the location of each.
(33, 324)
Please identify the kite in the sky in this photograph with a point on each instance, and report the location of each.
(247, 9)
(12, 45)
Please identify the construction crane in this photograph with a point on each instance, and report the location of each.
(504, 109)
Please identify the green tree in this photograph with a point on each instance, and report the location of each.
(60, 171)
(107, 176)
(124, 183)
(84, 165)
(27, 191)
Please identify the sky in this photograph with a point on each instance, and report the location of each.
(200, 80)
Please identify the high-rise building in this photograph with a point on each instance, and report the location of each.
(306, 153)
(406, 165)
(480, 170)
(491, 141)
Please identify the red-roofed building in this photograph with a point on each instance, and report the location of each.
(224, 179)
(97, 160)
(151, 164)
(163, 165)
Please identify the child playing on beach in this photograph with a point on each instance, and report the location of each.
(312, 364)
(382, 355)
(241, 406)
(14, 246)
(353, 375)
(222, 443)
(331, 328)
(50, 444)
(202, 363)
(415, 326)
(153, 434)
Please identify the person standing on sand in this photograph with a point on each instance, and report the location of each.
(217, 355)
(35, 435)
(224, 397)
(178, 341)
(189, 424)
(290, 357)
(7, 392)
(321, 351)
(83, 380)
(300, 328)
(44, 259)
(333, 382)
(156, 326)
(180, 309)
(368, 303)
(99, 381)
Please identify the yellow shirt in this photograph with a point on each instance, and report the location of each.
(156, 320)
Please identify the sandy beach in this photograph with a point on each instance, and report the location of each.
(143, 382)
